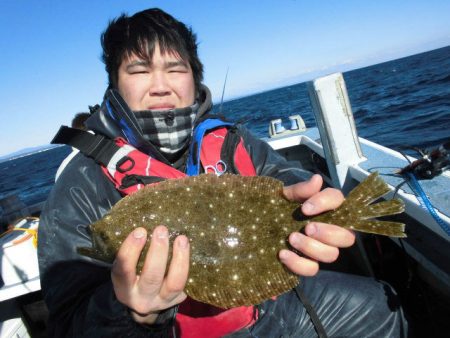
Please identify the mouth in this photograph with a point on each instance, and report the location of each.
(161, 106)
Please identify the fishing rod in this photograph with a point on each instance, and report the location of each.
(223, 91)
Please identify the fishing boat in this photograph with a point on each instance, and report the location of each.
(417, 266)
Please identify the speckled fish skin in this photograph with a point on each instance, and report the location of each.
(236, 226)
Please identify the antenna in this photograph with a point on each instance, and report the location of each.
(223, 90)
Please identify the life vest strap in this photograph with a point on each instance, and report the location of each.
(95, 146)
(193, 163)
(228, 150)
(131, 180)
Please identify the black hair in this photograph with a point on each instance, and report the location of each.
(79, 119)
(140, 33)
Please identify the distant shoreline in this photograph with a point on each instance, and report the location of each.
(28, 151)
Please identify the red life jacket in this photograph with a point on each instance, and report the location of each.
(129, 170)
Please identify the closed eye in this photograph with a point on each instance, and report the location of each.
(183, 70)
(138, 67)
(177, 67)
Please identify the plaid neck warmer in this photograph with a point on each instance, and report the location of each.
(169, 130)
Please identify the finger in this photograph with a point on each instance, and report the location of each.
(330, 234)
(325, 200)
(313, 248)
(303, 190)
(299, 265)
(177, 275)
(154, 268)
(123, 272)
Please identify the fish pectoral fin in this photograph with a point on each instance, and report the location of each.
(387, 228)
(88, 252)
(95, 254)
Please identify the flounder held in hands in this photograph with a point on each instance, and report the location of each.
(236, 225)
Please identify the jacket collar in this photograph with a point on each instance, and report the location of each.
(115, 119)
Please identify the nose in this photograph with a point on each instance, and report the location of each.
(159, 84)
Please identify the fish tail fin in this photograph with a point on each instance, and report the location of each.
(360, 199)
(357, 212)
(384, 208)
(386, 228)
(368, 191)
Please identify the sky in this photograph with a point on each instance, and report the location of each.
(50, 54)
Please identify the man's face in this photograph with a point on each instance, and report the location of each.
(164, 83)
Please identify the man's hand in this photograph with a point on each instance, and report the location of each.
(152, 291)
(321, 241)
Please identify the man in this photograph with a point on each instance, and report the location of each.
(155, 100)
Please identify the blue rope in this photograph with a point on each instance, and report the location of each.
(425, 202)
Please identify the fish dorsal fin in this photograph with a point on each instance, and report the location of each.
(245, 184)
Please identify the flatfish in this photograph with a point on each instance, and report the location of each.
(236, 226)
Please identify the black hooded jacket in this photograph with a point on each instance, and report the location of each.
(78, 290)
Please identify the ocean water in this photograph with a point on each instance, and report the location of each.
(401, 104)
(31, 177)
